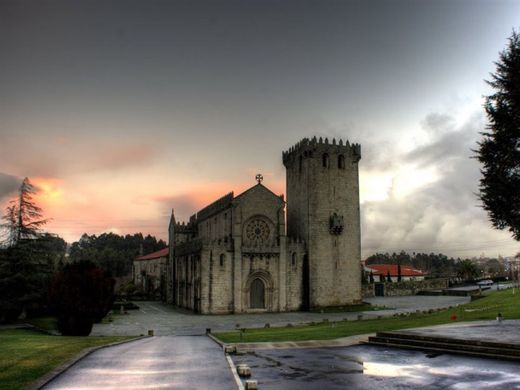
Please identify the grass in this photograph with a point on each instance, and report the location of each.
(506, 302)
(351, 308)
(46, 323)
(26, 355)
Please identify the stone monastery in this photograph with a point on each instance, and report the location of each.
(239, 255)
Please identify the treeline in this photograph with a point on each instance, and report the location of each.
(436, 265)
(113, 252)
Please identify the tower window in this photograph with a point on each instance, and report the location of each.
(293, 259)
(325, 160)
(222, 257)
(341, 161)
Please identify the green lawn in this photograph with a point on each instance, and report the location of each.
(352, 308)
(26, 355)
(487, 308)
(47, 323)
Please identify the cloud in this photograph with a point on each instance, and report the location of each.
(55, 156)
(439, 211)
(184, 205)
(8, 185)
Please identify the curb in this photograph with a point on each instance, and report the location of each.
(42, 381)
(216, 340)
(240, 386)
(238, 382)
(339, 342)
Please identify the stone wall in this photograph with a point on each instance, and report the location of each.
(406, 288)
(322, 181)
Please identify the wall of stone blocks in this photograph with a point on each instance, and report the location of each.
(394, 289)
(314, 193)
(294, 275)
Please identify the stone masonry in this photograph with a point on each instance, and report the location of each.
(236, 255)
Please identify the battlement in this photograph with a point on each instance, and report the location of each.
(315, 147)
(183, 227)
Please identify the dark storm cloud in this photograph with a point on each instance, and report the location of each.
(8, 185)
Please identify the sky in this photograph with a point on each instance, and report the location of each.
(119, 111)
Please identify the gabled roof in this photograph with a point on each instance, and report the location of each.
(257, 186)
(383, 269)
(155, 255)
(215, 207)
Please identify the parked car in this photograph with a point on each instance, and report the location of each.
(485, 282)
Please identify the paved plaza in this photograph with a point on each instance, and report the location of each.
(192, 362)
(365, 367)
(166, 320)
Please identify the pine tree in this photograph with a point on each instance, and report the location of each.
(23, 218)
(28, 259)
(499, 151)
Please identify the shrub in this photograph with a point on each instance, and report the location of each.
(80, 295)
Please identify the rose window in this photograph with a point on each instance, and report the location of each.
(257, 231)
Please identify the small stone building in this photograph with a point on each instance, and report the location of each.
(149, 273)
(244, 253)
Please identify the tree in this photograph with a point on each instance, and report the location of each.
(80, 295)
(23, 218)
(499, 150)
(25, 272)
(466, 269)
(399, 272)
(112, 252)
(388, 277)
(28, 257)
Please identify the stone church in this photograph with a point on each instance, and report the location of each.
(255, 252)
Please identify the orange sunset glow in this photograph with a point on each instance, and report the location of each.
(119, 114)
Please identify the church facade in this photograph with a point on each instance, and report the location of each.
(255, 252)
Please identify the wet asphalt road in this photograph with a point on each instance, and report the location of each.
(181, 362)
(367, 367)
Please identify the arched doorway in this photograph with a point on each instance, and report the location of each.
(257, 294)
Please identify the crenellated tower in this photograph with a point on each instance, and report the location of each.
(323, 210)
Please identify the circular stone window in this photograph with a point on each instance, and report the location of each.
(257, 231)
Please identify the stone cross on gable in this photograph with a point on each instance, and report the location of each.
(259, 178)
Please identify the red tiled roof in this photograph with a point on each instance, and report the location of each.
(155, 255)
(382, 269)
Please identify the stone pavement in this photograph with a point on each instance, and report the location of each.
(166, 320)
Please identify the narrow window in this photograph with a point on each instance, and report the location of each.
(325, 160)
(294, 259)
(341, 161)
(222, 260)
(300, 163)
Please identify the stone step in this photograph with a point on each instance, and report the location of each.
(444, 350)
(448, 340)
(451, 346)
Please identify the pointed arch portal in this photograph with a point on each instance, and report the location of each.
(257, 294)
